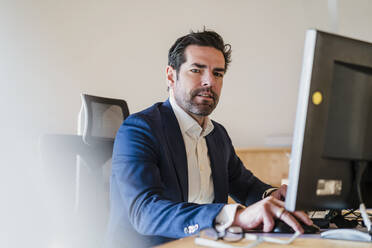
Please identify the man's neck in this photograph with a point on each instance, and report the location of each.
(198, 118)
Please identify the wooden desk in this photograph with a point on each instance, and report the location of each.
(300, 242)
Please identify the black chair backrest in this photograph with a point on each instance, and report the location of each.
(102, 117)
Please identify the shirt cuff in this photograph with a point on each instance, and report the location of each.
(226, 217)
(268, 192)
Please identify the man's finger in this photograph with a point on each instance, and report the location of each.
(277, 201)
(291, 221)
(268, 221)
(303, 217)
(277, 211)
(299, 214)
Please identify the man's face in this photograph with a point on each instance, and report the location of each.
(197, 87)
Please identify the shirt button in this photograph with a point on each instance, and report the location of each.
(186, 230)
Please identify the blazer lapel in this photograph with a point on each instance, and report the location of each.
(219, 173)
(176, 147)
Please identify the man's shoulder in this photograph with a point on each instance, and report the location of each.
(153, 116)
(152, 112)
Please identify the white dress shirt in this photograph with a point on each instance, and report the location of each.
(200, 180)
(201, 189)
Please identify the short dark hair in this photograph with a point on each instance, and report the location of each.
(176, 54)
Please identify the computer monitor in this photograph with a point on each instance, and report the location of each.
(333, 128)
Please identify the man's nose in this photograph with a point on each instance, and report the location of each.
(208, 79)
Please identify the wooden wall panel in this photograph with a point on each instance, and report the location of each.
(271, 165)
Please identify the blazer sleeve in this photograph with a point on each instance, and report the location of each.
(136, 174)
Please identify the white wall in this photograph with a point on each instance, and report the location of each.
(51, 51)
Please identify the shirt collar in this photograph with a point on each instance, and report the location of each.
(187, 124)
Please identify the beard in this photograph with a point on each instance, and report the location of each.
(203, 107)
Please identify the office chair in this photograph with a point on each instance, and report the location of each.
(98, 121)
(79, 166)
(100, 117)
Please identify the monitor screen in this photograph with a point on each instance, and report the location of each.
(333, 129)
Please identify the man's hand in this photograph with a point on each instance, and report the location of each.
(262, 215)
(280, 192)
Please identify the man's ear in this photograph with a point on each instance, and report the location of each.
(171, 75)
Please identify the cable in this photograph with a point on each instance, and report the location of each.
(258, 239)
(213, 243)
(360, 168)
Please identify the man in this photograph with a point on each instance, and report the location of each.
(173, 168)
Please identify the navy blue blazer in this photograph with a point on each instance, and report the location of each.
(149, 182)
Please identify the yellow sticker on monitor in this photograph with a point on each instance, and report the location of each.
(317, 97)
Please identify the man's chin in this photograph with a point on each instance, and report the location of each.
(203, 110)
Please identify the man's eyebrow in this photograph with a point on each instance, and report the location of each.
(199, 65)
(219, 69)
(204, 66)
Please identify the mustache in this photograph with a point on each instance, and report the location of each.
(196, 92)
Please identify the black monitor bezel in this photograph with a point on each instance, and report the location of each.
(307, 164)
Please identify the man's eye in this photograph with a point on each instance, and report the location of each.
(195, 70)
(217, 74)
